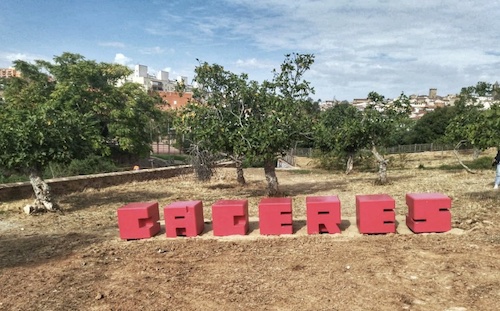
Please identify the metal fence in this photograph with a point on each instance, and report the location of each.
(165, 148)
(308, 152)
(302, 152)
(420, 148)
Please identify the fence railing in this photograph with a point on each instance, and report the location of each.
(308, 152)
(302, 152)
(165, 148)
(420, 148)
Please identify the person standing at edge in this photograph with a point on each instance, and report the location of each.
(496, 162)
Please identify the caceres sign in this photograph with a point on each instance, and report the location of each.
(375, 214)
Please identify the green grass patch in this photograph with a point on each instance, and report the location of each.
(483, 163)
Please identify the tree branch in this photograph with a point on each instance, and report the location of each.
(458, 158)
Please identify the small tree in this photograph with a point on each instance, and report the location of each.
(69, 109)
(380, 119)
(340, 131)
(473, 124)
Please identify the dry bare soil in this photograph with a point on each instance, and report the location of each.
(76, 261)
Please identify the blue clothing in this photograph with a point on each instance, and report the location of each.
(497, 177)
(497, 162)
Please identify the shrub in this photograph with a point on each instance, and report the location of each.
(363, 161)
(91, 165)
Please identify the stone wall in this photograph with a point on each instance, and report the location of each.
(60, 186)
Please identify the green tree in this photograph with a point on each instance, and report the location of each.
(473, 124)
(280, 114)
(214, 120)
(339, 132)
(246, 118)
(466, 126)
(487, 129)
(432, 126)
(380, 119)
(69, 109)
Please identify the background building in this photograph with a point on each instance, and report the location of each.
(162, 84)
(9, 72)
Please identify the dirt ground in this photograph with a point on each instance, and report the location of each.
(76, 260)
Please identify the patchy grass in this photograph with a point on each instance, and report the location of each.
(76, 260)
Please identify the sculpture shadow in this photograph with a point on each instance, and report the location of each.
(84, 200)
(313, 187)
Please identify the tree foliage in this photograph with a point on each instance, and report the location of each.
(68, 109)
(431, 128)
(472, 123)
(345, 130)
(217, 116)
(231, 114)
(339, 132)
(381, 120)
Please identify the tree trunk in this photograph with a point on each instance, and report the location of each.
(350, 163)
(455, 151)
(476, 153)
(240, 178)
(382, 167)
(43, 200)
(272, 180)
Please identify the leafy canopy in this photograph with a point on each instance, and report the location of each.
(70, 108)
(233, 115)
(472, 123)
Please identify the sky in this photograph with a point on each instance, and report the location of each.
(386, 46)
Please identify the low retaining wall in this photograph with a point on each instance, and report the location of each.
(59, 186)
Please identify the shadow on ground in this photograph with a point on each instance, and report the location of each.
(33, 249)
(313, 187)
(84, 200)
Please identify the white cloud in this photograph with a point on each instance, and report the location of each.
(382, 45)
(122, 59)
(253, 63)
(114, 44)
(152, 51)
(387, 46)
(6, 58)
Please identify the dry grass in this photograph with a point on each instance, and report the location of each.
(76, 261)
(472, 194)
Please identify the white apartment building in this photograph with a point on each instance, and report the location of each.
(159, 82)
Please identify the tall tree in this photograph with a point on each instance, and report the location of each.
(251, 119)
(280, 114)
(68, 109)
(216, 116)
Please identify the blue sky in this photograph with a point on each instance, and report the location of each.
(386, 46)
